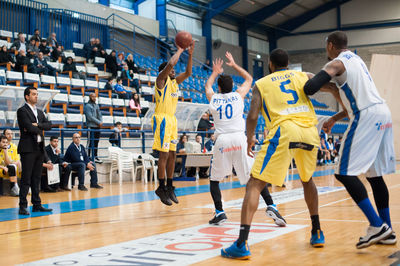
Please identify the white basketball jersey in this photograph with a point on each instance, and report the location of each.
(358, 90)
(227, 111)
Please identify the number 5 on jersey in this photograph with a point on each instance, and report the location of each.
(293, 92)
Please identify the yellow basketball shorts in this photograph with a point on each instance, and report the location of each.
(165, 131)
(284, 142)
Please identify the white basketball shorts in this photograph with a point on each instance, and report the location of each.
(367, 146)
(230, 150)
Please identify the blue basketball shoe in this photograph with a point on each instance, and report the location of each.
(235, 252)
(318, 239)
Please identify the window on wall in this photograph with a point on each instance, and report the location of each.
(257, 45)
(182, 22)
(225, 35)
(123, 5)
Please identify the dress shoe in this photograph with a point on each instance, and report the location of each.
(96, 186)
(65, 189)
(59, 189)
(23, 211)
(82, 187)
(40, 208)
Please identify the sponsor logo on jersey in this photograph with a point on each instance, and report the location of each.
(381, 126)
(234, 148)
(174, 95)
(174, 141)
(166, 145)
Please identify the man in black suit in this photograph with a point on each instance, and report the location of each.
(56, 157)
(31, 122)
(77, 156)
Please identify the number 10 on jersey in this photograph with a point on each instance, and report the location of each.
(228, 111)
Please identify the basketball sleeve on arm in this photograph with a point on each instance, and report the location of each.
(314, 84)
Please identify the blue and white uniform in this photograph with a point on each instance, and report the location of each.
(230, 147)
(367, 146)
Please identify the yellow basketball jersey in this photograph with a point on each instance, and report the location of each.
(167, 97)
(283, 98)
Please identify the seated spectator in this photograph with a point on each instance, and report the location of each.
(90, 49)
(205, 124)
(131, 65)
(331, 149)
(202, 170)
(8, 165)
(19, 45)
(120, 61)
(325, 152)
(32, 50)
(126, 75)
(42, 67)
(337, 145)
(52, 40)
(44, 48)
(5, 57)
(23, 60)
(109, 83)
(56, 50)
(71, 66)
(76, 155)
(111, 64)
(116, 137)
(134, 103)
(100, 50)
(121, 91)
(181, 153)
(210, 143)
(36, 36)
(54, 153)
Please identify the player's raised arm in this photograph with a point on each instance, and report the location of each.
(188, 72)
(162, 76)
(217, 69)
(252, 118)
(332, 69)
(248, 79)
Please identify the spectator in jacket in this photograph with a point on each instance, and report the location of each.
(54, 154)
(109, 83)
(52, 40)
(100, 50)
(121, 91)
(32, 50)
(19, 44)
(6, 57)
(120, 61)
(76, 155)
(111, 64)
(210, 143)
(116, 137)
(44, 48)
(36, 36)
(42, 67)
(125, 74)
(71, 66)
(93, 122)
(181, 153)
(22, 60)
(131, 65)
(90, 49)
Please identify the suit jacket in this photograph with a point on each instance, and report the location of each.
(54, 158)
(72, 155)
(28, 132)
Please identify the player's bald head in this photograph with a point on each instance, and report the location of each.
(338, 39)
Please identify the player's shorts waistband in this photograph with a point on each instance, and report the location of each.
(163, 115)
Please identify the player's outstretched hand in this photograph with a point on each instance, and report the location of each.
(231, 61)
(328, 124)
(191, 47)
(217, 66)
(251, 141)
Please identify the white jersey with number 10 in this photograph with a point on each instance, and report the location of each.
(227, 111)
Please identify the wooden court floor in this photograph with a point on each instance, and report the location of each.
(117, 214)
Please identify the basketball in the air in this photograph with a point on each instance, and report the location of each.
(183, 39)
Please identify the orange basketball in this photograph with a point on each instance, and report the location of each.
(183, 39)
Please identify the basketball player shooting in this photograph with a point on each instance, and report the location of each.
(164, 122)
(230, 149)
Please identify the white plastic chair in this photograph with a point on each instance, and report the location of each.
(138, 163)
(149, 163)
(120, 161)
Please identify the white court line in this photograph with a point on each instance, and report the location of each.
(333, 202)
(335, 220)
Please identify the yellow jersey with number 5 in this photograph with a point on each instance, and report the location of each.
(167, 97)
(283, 98)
